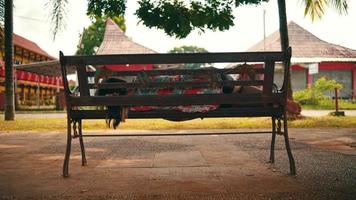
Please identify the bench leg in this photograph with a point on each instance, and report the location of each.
(273, 141)
(289, 151)
(82, 149)
(69, 144)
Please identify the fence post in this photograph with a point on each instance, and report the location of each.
(336, 100)
(337, 112)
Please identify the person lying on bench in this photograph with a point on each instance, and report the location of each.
(291, 106)
(246, 74)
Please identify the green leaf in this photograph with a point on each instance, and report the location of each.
(178, 18)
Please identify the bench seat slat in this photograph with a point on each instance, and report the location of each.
(221, 112)
(174, 84)
(83, 81)
(171, 72)
(166, 100)
(173, 58)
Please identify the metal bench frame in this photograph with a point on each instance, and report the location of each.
(268, 103)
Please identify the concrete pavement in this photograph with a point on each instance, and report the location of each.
(191, 167)
(320, 113)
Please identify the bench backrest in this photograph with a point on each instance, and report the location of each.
(268, 59)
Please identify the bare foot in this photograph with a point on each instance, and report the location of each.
(293, 107)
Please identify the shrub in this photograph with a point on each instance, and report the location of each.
(314, 95)
(307, 96)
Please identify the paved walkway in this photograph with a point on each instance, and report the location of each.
(308, 113)
(194, 167)
(319, 113)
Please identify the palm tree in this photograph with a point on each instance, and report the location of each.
(9, 70)
(283, 31)
(58, 13)
(316, 8)
(2, 12)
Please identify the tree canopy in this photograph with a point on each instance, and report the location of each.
(178, 18)
(190, 49)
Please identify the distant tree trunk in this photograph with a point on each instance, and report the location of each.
(9, 70)
(283, 30)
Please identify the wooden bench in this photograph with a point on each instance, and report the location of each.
(267, 103)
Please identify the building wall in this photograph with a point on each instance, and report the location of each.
(30, 92)
(342, 76)
(298, 79)
(344, 73)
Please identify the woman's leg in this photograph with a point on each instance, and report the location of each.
(291, 106)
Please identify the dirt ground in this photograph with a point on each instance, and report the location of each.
(189, 167)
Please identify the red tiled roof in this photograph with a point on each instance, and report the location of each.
(44, 68)
(26, 44)
(305, 45)
(31, 46)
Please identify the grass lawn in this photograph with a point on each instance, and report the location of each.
(42, 124)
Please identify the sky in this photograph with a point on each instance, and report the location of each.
(32, 21)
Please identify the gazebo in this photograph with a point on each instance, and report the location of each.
(313, 58)
(116, 42)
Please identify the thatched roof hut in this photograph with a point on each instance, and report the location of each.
(313, 58)
(116, 42)
(306, 47)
